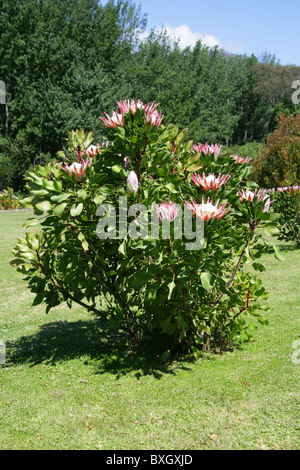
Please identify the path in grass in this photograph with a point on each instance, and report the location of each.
(64, 386)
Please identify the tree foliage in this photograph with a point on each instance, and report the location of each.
(65, 62)
(279, 163)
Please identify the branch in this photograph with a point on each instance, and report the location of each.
(242, 310)
(229, 283)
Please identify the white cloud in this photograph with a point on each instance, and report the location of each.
(187, 37)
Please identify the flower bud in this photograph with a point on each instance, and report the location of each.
(132, 182)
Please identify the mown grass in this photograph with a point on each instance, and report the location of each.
(65, 385)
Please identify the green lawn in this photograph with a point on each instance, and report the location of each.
(65, 386)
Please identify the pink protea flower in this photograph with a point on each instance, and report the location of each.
(92, 150)
(132, 182)
(267, 205)
(239, 159)
(262, 195)
(114, 120)
(126, 106)
(167, 210)
(207, 210)
(208, 149)
(248, 195)
(78, 168)
(152, 115)
(117, 119)
(210, 181)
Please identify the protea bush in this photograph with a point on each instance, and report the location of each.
(149, 231)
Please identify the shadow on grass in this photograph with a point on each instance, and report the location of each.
(283, 246)
(62, 341)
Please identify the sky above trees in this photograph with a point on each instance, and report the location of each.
(243, 27)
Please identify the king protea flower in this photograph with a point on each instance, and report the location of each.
(78, 168)
(117, 119)
(126, 106)
(262, 195)
(207, 210)
(211, 181)
(114, 120)
(239, 159)
(248, 195)
(208, 149)
(167, 210)
(92, 150)
(152, 115)
(132, 182)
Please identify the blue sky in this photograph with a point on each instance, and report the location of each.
(239, 26)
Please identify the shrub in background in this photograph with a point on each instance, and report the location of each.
(148, 286)
(279, 163)
(8, 200)
(287, 204)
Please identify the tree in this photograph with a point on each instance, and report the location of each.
(58, 59)
(279, 164)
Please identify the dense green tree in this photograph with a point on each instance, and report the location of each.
(66, 62)
(59, 59)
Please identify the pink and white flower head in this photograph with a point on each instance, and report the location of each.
(248, 195)
(211, 181)
(117, 119)
(239, 159)
(132, 182)
(208, 149)
(92, 150)
(262, 194)
(114, 120)
(152, 115)
(167, 210)
(267, 205)
(207, 210)
(77, 168)
(126, 106)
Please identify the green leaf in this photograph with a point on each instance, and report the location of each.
(171, 287)
(26, 202)
(59, 209)
(205, 280)
(39, 192)
(60, 197)
(57, 185)
(76, 209)
(48, 184)
(107, 189)
(82, 194)
(165, 355)
(29, 222)
(193, 168)
(44, 206)
(122, 248)
(277, 253)
(116, 169)
(85, 245)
